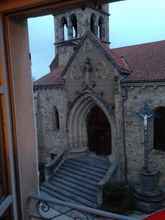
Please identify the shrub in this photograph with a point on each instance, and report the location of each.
(118, 198)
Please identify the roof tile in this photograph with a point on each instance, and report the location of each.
(52, 78)
(146, 61)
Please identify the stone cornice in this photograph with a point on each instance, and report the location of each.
(42, 87)
(141, 83)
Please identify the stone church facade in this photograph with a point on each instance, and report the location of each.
(90, 99)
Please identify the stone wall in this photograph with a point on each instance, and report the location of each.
(88, 70)
(89, 81)
(137, 95)
(83, 21)
(66, 47)
(88, 74)
(50, 138)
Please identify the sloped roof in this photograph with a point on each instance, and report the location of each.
(53, 78)
(114, 58)
(56, 76)
(146, 61)
(118, 59)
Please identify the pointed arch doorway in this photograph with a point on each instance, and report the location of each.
(89, 126)
(98, 132)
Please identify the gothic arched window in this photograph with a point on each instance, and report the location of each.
(64, 25)
(74, 25)
(101, 31)
(56, 120)
(93, 23)
(159, 128)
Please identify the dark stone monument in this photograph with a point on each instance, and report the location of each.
(147, 193)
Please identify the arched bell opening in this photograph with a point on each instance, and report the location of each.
(64, 28)
(101, 28)
(74, 31)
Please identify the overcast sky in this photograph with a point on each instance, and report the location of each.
(131, 22)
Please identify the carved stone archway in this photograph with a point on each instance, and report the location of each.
(77, 121)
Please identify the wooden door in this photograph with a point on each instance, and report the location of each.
(99, 132)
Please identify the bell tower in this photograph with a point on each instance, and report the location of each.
(71, 25)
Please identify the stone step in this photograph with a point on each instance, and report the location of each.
(74, 181)
(67, 196)
(83, 169)
(100, 161)
(73, 190)
(51, 193)
(75, 186)
(88, 165)
(78, 178)
(83, 174)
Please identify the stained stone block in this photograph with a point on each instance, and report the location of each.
(149, 180)
(148, 195)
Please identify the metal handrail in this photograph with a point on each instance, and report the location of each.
(45, 205)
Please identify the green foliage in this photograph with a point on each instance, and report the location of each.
(118, 198)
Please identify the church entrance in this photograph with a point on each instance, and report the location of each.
(98, 132)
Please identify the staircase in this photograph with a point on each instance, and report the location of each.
(76, 180)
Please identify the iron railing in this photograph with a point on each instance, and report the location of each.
(53, 209)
